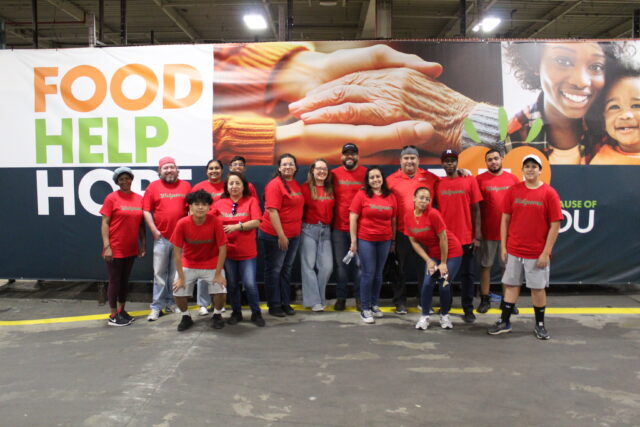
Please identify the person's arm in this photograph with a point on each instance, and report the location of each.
(552, 236)
(417, 247)
(242, 226)
(222, 256)
(504, 230)
(106, 244)
(148, 218)
(142, 240)
(353, 231)
(394, 228)
(444, 252)
(477, 224)
(177, 256)
(274, 216)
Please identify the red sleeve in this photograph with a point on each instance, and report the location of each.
(394, 205)
(436, 221)
(555, 209)
(177, 239)
(107, 207)
(476, 195)
(508, 201)
(356, 203)
(273, 195)
(219, 235)
(254, 209)
(147, 199)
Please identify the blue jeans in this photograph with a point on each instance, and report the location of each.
(453, 265)
(244, 270)
(164, 272)
(341, 243)
(316, 262)
(277, 268)
(373, 256)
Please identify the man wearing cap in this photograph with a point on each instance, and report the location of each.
(493, 184)
(163, 205)
(529, 229)
(458, 199)
(347, 180)
(404, 183)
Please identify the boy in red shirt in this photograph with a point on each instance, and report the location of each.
(529, 229)
(200, 249)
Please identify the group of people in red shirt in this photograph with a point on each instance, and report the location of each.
(352, 215)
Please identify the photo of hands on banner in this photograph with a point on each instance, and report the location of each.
(577, 102)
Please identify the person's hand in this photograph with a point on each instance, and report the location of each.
(107, 255)
(476, 244)
(431, 267)
(382, 97)
(354, 247)
(230, 228)
(310, 142)
(142, 251)
(283, 243)
(306, 70)
(156, 234)
(543, 260)
(392, 248)
(178, 284)
(220, 279)
(443, 269)
(503, 254)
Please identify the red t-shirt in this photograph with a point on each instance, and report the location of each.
(425, 229)
(199, 243)
(403, 187)
(125, 211)
(319, 210)
(493, 189)
(216, 190)
(532, 212)
(241, 244)
(454, 198)
(289, 206)
(375, 214)
(346, 184)
(167, 203)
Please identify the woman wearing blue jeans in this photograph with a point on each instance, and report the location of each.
(372, 225)
(315, 245)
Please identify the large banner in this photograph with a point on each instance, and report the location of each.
(70, 117)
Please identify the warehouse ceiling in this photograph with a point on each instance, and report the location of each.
(64, 23)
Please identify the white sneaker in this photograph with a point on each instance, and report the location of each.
(223, 310)
(154, 315)
(176, 310)
(423, 323)
(375, 310)
(367, 316)
(445, 322)
(317, 307)
(203, 311)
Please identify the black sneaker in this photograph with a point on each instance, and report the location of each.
(236, 316)
(340, 304)
(276, 312)
(401, 309)
(118, 320)
(185, 323)
(469, 317)
(500, 327)
(288, 310)
(541, 332)
(257, 319)
(485, 304)
(217, 322)
(128, 316)
(515, 310)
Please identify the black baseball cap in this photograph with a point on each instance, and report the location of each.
(448, 153)
(349, 146)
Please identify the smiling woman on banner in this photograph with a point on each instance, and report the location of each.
(123, 238)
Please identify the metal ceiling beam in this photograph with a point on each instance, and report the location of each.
(367, 20)
(616, 31)
(178, 20)
(69, 8)
(552, 16)
(453, 23)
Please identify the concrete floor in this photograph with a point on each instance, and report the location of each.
(324, 369)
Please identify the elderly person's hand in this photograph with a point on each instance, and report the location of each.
(382, 97)
(305, 70)
(309, 142)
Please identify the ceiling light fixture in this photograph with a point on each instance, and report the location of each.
(488, 24)
(255, 22)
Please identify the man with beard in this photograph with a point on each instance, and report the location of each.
(404, 183)
(493, 184)
(458, 199)
(530, 224)
(163, 205)
(347, 180)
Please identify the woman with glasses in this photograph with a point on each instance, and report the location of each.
(213, 185)
(240, 214)
(280, 234)
(372, 225)
(315, 246)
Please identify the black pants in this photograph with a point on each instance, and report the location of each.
(466, 276)
(406, 257)
(119, 272)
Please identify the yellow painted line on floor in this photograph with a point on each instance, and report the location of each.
(141, 313)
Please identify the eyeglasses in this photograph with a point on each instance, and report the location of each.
(321, 169)
(234, 208)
